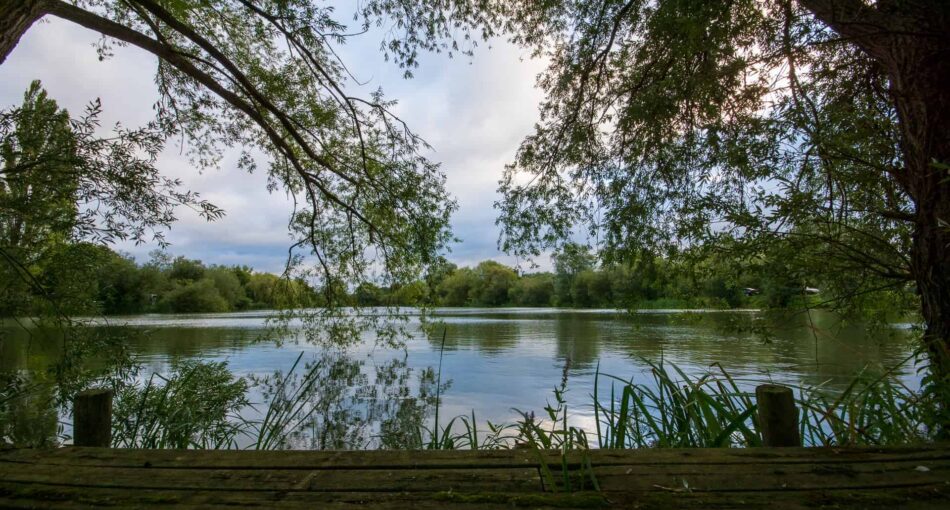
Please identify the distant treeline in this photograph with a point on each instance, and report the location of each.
(578, 282)
(91, 279)
(84, 278)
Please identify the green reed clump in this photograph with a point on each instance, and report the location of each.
(406, 429)
(325, 403)
(717, 410)
(196, 406)
(459, 433)
(686, 412)
(872, 410)
(287, 409)
(674, 409)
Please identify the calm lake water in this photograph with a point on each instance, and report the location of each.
(498, 360)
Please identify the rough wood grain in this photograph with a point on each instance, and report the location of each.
(92, 418)
(778, 416)
(773, 478)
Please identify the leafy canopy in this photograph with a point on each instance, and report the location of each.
(749, 126)
(264, 77)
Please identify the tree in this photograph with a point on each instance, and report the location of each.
(229, 286)
(459, 288)
(820, 124)
(186, 270)
(437, 273)
(571, 260)
(70, 277)
(125, 288)
(264, 75)
(94, 188)
(494, 281)
(368, 294)
(199, 296)
(533, 290)
(412, 294)
(37, 195)
(60, 183)
(592, 289)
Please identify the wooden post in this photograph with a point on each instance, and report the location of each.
(778, 416)
(92, 418)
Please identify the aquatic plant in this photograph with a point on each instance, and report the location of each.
(717, 410)
(690, 412)
(329, 403)
(872, 410)
(196, 406)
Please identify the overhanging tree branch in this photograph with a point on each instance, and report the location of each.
(181, 62)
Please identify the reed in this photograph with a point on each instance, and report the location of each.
(716, 410)
(675, 412)
(555, 434)
(872, 411)
(287, 409)
(196, 406)
(200, 404)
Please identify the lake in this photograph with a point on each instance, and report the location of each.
(499, 360)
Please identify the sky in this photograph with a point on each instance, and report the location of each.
(473, 111)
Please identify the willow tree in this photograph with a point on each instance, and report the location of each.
(818, 126)
(264, 76)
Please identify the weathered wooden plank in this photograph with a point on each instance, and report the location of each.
(695, 477)
(57, 497)
(927, 497)
(930, 497)
(309, 460)
(794, 477)
(910, 477)
(68, 497)
(382, 480)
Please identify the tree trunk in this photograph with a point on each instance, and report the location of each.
(925, 123)
(931, 260)
(909, 40)
(16, 17)
(919, 70)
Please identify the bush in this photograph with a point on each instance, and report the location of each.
(201, 296)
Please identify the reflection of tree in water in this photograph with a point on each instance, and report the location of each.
(27, 412)
(578, 340)
(335, 401)
(488, 336)
(331, 400)
(56, 358)
(825, 349)
(174, 342)
(349, 400)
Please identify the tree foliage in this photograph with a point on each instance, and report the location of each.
(61, 183)
(39, 189)
(730, 124)
(814, 129)
(264, 76)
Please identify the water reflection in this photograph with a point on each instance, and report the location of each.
(500, 359)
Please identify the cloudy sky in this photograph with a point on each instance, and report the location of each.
(474, 112)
